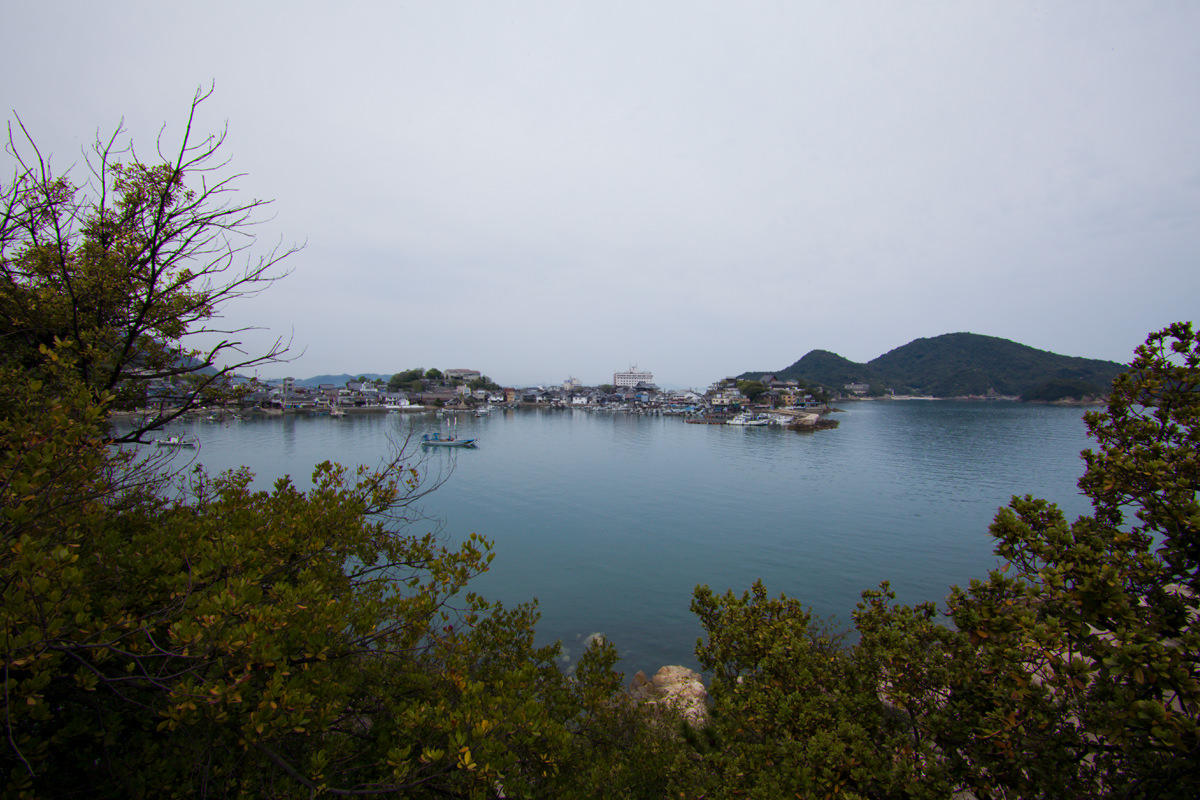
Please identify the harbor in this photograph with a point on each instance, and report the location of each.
(770, 402)
(611, 518)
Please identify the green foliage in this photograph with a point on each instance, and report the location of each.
(1102, 612)
(1073, 671)
(129, 268)
(967, 363)
(184, 636)
(1063, 389)
(484, 382)
(751, 389)
(794, 712)
(824, 368)
(403, 380)
(256, 642)
(434, 374)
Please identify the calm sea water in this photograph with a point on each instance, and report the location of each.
(611, 520)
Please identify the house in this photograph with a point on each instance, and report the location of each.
(439, 395)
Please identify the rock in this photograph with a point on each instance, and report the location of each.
(674, 687)
(641, 688)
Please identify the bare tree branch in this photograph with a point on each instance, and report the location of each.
(131, 269)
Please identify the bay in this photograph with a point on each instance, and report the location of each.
(611, 520)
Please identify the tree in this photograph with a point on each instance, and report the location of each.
(751, 389)
(130, 270)
(402, 379)
(795, 714)
(484, 382)
(434, 374)
(1099, 615)
(1073, 671)
(186, 636)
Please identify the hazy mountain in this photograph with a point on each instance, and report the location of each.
(958, 364)
(337, 380)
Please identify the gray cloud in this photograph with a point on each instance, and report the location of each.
(537, 190)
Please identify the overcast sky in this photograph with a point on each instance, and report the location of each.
(545, 189)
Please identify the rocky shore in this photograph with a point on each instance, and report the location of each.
(677, 688)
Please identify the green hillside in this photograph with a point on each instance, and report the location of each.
(823, 367)
(959, 364)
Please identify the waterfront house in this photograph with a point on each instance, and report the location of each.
(437, 396)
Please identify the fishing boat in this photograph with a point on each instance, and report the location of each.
(450, 440)
(436, 441)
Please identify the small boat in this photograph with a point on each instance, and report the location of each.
(746, 419)
(175, 441)
(334, 411)
(483, 411)
(436, 441)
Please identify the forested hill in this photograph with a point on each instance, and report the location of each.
(959, 364)
(337, 380)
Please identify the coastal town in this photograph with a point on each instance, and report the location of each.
(764, 401)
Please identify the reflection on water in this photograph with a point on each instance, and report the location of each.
(610, 520)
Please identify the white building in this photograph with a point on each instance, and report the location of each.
(632, 377)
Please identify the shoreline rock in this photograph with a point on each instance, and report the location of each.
(675, 687)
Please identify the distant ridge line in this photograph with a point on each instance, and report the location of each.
(959, 365)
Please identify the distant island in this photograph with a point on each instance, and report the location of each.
(956, 365)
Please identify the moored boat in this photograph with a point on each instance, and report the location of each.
(747, 419)
(175, 441)
(436, 441)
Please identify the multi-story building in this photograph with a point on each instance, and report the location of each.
(632, 377)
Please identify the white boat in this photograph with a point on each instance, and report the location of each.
(747, 419)
(175, 441)
(483, 411)
(334, 411)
